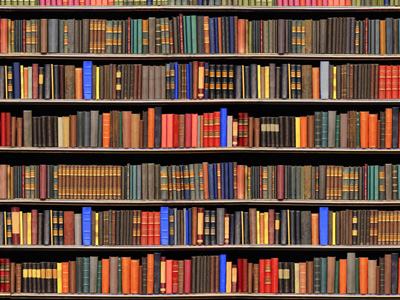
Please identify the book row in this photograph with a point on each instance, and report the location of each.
(153, 129)
(199, 80)
(201, 34)
(231, 180)
(155, 274)
(200, 226)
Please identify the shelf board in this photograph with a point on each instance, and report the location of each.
(200, 8)
(200, 102)
(185, 57)
(221, 248)
(213, 150)
(224, 202)
(196, 296)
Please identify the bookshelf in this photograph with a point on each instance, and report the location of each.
(286, 154)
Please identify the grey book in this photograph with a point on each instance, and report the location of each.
(331, 128)
(94, 128)
(86, 129)
(79, 274)
(220, 225)
(324, 80)
(78, 229)
(52, 36)
(305, 221)
(322, 182)
(152, 35)
(388, 182)
(71, 35)
(27, 119)
(351, 273)
(79, 128)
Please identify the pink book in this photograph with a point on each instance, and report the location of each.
(163, 131)
(103, 2)
(188, 277)
(168, 276)
(48, 2)
(70, 2)
(76, 2)
(42, 2)
(59, 2)
(308, 2)
(324, 2)
(296, 3)
(194, 130)
(170, 130)
(285, 2)
(291, 3)
(313, 2)
(279, 3)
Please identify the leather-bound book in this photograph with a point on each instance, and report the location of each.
(43, 35)
(69, 82)
(310, 277)
(79, 275)
(113, 274)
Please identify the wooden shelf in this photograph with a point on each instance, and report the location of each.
(201, 8)
(213, 150)
(195, 296)
(225, 102)
(224, 202)
(207, 57)
(221, 248)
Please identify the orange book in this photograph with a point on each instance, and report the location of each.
(241, 37)
(134, 276)
(65, 277)
(373, 131)
(343, 276)
(106, 130)
(126, 274)
(150, 228)
(219, 50)
(315, 83)
(3, 35)
(150, 274)
(105, 276)
(314, 229)
(303, 132)
(382, 82)
(170, 130)
(303, 278)
(388, 128)
(363, 262)
(382, 25)
(388, 85)
(126, 129)
(150, 126)
(78, 83)
(240, 182)
(168, 276)
(25, 82)
(164, 131)
(364, 120)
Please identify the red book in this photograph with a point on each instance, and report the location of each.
(2, 285)
(188, 276)
(15, 226)
(150, 228)
(163, 131)
(170, 130)
(388, 128)
(194, 130)
(34, 227)
(129, 35)
(261, 276)
(175, 277)
(240, 278)
(280, 182)
(144, 227)
(274, 275)
(3, 128)
(241, 35)
(43, 182)
(388, 77)
(157, 228)
(217, 128)
(268, 275)
(271, 226)
(205, 130)
(395, 82)
(366, 35)
(8, 129)
(188, 130)
(6, 262)
(240, 182)
(181, 32)
(210, 130)
(382, 82)
(240, 129)
(168, 276)
(3, 35)
(35, 81)
(69, 238)
(23, 36)
(175, 130)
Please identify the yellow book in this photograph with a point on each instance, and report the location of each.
(29, 228)
(51, 227)
(242, 229)
(97, 83)
(21, 231)
(258, 227)
(65, 134)
(334, 228)
(52, 81)
(59, 278)
(258, 81)
(97, 230)
(334, 83)
(22, 81)
(288, 227)
(243, 93)
(297, 132)
(266, 79)
(229, 277)
(290, 82)
(266, 237)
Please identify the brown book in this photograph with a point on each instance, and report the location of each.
(113, 274)
(331, 275)
(307, 182)
(43, 35)
(372, 276)
(194, 226)
(251, 131)
(310, 277)
(69, 238)
(255, 278)
(388, 274)
(306, 81)
(310, 131)
(69, 83)
(253, 225)
(72, 131)
(256, 127)
(72, 277)
(18, 278)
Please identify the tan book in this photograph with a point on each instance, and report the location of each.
(372, 277)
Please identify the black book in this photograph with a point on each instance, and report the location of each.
(157, 269)
(305, 221)
(79, 275)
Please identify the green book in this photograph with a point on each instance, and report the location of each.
(140, 36)
(324, 275)
(357, 276)
(99, 273)
(86, 274)
(358, 129)
(119, 275)
(79, 274)
(376, 182)
(189, 34)
(337, 266)
(194, 34)
(185, 35)
(337, 135)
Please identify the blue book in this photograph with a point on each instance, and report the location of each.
(171, 226)
(211, 181)
(323, 225)
(324, 79)
(324, 129)
(226, 178)
(176, 80)
(211, 27)
(215, 171)
(149, 2)
(222, 180)
(46, 231)
(87, 80)
(224, 127)
(190, 226)
(230, 175)
(387, 3)
(190, 95)
(216, 36)
(206, 70)
(395, 127)
(187, 81)
(164, 226)
(231, 34)
(222, 273)
(86, 226)
(187, 227)
(389, 35)
(17, 80)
